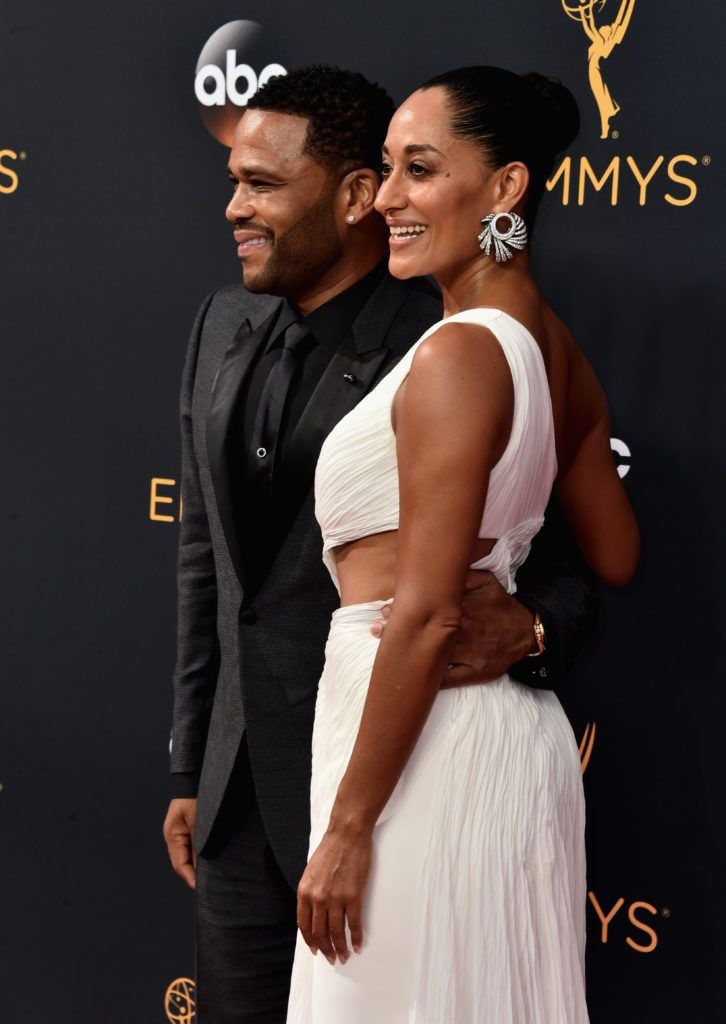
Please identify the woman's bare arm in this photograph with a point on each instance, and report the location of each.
(453, 418)
(452, 423)
(590, 491)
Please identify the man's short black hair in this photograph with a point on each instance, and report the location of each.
(348, 115)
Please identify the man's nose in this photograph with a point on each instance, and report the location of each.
(239, 206)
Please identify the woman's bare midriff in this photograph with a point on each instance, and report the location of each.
(367, 567)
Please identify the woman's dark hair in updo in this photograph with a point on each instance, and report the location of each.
(528, 118)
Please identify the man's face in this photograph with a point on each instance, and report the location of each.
(283, 205)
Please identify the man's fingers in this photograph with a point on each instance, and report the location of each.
(178, 831)
(187, 874)
(477, 578)
(459, 675)
(355, 924)
(179, 847)
(379, 625)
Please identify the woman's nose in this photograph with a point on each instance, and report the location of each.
(390, 196)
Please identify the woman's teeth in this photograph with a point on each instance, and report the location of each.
(408, 229)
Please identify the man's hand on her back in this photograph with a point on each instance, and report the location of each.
(179, 836)
(496, 631)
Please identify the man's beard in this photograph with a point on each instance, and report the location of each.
(301, 255)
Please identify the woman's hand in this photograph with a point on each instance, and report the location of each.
(331, 892)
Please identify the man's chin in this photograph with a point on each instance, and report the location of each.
(255, 280)
(261, 283)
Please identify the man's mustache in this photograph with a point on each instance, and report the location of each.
(249, 225)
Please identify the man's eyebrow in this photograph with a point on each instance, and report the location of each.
(416, 148)
(253, 171)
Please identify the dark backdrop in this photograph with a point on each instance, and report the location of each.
(112, 231)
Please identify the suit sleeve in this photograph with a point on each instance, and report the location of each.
(197, 652)
(556, 583)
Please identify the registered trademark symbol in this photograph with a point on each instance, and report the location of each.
(22, 154)
(706, 160)
(665, 912)
(615, 134)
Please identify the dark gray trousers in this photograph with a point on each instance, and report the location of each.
(245, 915)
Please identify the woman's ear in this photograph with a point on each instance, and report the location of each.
(512, 184)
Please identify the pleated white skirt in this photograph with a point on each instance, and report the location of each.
(475, 909)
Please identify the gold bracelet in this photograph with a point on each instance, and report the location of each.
(539, 636)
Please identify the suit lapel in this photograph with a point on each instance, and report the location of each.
(346, 379)
(232, 372)
(350, 374)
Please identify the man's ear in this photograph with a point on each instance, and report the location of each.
(357, 194)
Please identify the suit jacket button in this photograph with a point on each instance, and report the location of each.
(248, 616)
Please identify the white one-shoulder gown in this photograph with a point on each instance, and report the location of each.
(475, 908)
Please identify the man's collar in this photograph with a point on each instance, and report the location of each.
(287, 315)
(332, 322)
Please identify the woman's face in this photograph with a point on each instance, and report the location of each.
(436, 189)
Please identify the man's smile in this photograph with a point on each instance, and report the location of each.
(249, 241)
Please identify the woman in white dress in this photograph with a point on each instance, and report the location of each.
(446, 882)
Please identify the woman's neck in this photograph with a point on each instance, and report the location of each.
(483, 282)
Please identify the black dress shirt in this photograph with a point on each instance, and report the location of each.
(264, 517)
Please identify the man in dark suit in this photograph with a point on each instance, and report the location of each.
(265, 380)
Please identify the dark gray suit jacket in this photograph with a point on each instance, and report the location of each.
(251, 662)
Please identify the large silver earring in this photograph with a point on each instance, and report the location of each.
(515, 235)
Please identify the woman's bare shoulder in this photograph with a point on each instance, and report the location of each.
(456, 347)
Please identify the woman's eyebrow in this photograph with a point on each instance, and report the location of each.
(416, 148)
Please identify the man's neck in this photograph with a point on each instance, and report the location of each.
(347, 272)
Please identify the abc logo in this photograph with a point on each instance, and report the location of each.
(235, 62)
(622, 456)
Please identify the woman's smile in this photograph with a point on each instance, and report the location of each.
(403, 234)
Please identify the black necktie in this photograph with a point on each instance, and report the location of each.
(266, 431)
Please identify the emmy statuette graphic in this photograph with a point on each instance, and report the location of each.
(179, 1002)
(603, 40)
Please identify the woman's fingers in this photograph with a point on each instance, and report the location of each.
(353, 912)
(321, 930)
(336, 923)
(323, 927)
(305, 921)
(330, 897)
